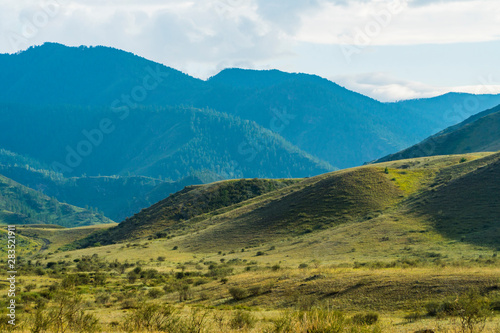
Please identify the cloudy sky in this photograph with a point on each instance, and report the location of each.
(386, 49)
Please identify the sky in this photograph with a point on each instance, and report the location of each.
(386, 49)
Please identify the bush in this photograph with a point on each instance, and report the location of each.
(238, 293)
(413, 316)
(129, 303)
(473, 310)
(439, 310)
(242, 319)
(155, 293)
(185, 292)
(66, 314)
(152, 317)
(255, 290)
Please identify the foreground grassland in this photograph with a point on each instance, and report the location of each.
(401, 246)
(89, 294)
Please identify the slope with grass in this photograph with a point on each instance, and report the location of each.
(420, 201)
(190, 204)
(466, 208)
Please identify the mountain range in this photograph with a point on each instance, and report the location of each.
(338, 126)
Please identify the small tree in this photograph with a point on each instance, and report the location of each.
(473, 310)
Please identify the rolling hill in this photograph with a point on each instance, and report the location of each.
(21, 205)
(479, 133)
(418, 194)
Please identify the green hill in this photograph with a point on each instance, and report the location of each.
(418, 194)
(191, 205)
(465, 208)
(21, 205)
(479, 133)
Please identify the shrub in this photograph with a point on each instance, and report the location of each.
(318, 321)
(155, 293)
(242, 319)
(238, 293)
(169, 288)
(473, 310)
(200, 281)
(66, 314)
(30, 287)
(152, 317)
(439, 310)
(185, 292)
(413, 316)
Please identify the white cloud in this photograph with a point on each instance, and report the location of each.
(386, 88)
(399, 22)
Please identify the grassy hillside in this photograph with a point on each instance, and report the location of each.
(479, 133)
(192, 204)
(467, 208)
(21, 205)
(402, 197)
